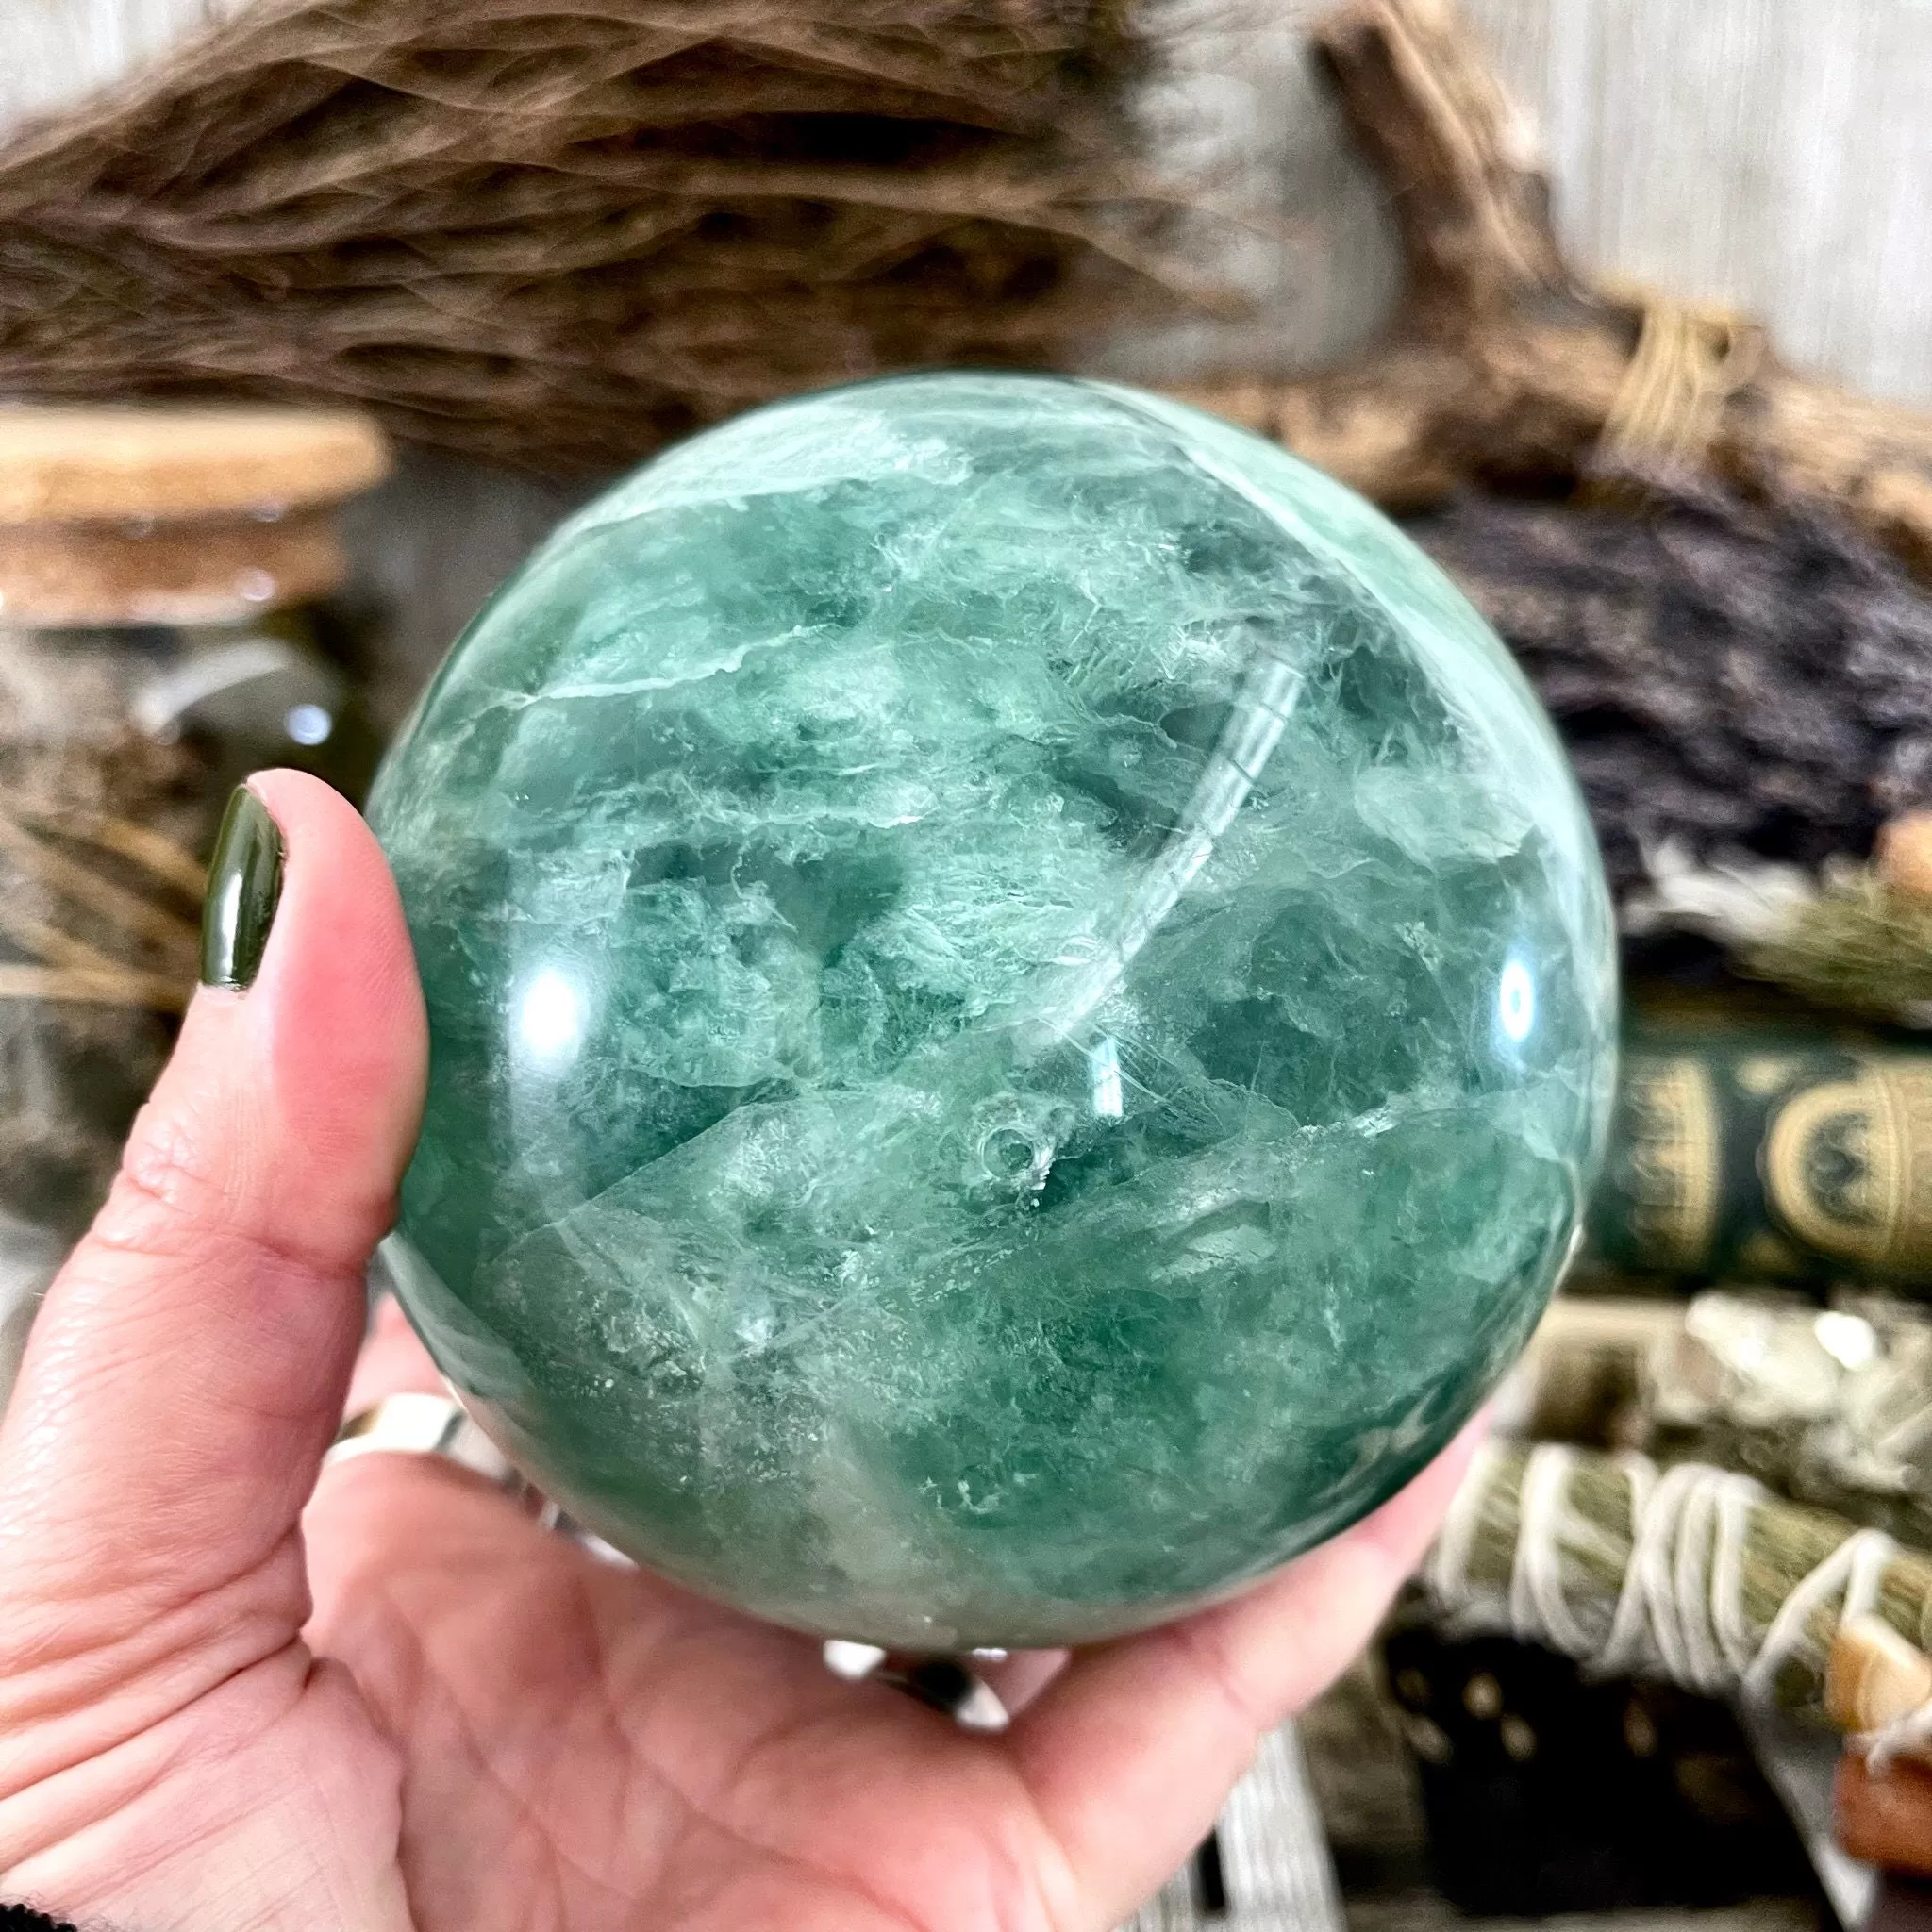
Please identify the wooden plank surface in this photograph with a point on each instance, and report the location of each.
(1275, 1856)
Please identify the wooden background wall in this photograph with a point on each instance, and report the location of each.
(1776, 153)
(1772, 153)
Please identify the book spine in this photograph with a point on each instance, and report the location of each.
(1743, 1163)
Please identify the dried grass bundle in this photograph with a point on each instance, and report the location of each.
(555, 234)
(1859, 947)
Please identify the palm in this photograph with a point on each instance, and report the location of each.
(416, 1710)
(633, 1757)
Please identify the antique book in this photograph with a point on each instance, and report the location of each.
(1766, 1159)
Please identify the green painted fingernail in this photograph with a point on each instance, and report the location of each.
(245, 885)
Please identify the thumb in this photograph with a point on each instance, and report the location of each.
(189, 1364)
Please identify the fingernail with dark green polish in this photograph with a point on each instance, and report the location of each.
(244, 884)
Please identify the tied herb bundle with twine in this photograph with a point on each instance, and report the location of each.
(553, 238)
(1694, 1574)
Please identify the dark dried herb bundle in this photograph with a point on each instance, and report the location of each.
(553, 234)
(1752, 676)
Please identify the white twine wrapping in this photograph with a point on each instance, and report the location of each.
(1680, 1610)
(1910, 1736)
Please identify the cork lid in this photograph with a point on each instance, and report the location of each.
(88, 464)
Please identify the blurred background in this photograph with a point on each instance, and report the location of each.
(1773, 156)
(1624, 305)
(1770, 154)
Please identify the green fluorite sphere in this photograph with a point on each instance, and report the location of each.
(1022, 1008)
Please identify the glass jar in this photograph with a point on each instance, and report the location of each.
(166, 627)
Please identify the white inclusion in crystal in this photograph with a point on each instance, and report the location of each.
(1516, 1002)
(550, 1018)
(1257, 717)
(1104, 1063)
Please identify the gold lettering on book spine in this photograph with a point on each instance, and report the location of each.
(1673, 1161)
(1848, 1166)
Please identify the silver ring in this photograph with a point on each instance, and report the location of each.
(942, 1683)
(414, 1424)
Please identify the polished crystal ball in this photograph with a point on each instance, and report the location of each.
(1022, 1006)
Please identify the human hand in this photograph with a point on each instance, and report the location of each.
(409, 1705)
